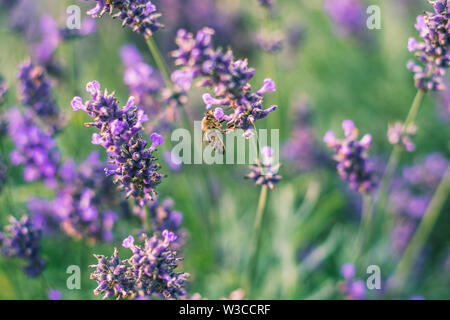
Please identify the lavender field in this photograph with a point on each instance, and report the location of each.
(224, 149)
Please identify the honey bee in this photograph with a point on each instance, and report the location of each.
(212, 130)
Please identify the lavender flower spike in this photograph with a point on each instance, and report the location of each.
(433, 51)
(35, 149)
(265, 172)
(150, 271)
(397, 135)
(140, 15)
(153, 268)
(352, 289)
(351, 154)
(120, 132)
(113, 276)
(35, 93)
(22, 240)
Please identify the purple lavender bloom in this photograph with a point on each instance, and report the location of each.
(35, 93)
(352, 289)
(22, 17)
(301, 149)
(348, 271)
(51, 38)
(351, 154)
(88, 26)
(265, 172)
(41, 212)
(22, 240)
(412, 191)
(411, 194)
(35, 149)
(114, 277)
(133, 164)
(150, 271)
(295, 35)
(432, 52)
(427, 173)
(172, 160)
(266, 3)
(164, 217)
(8, 4)
(83, 203)
(230, 78)
(54, 294)
(401, 235)
(153, 267)
(416, 297)
(140, 15)
(348, 15)
(398, 135)
(141, 79)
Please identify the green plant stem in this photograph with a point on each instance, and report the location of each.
(146, 219)
(256, 235)
(159, 60)
(412, 115)
(364, 227)
(256, 238)
(423, 231)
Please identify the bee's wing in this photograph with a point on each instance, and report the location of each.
(218, 144)
(213, 138)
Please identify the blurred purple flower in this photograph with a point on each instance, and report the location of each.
(141, 79)
(173, 161)
(301, 149)
(266, 3)
(352, 289)
(35, 93)
(22, 240)
(35, 149)
(265, 171)
(54, 294)
(411, 194)
(348, 16)
(351, 154)
(84, 201)
(50, 39)
(397, 135)
(270, 42)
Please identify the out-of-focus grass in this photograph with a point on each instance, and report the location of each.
(311, 221)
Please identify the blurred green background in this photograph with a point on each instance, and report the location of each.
(312, 217)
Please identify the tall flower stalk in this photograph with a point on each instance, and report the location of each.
(394, 158)
(265, 174)
(354, 166)
(432, 60)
